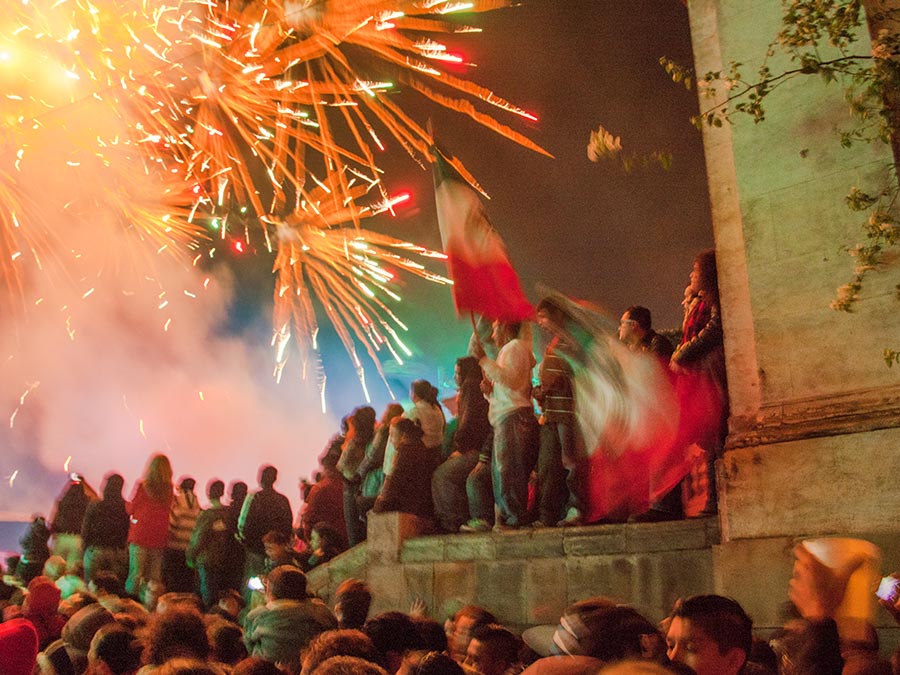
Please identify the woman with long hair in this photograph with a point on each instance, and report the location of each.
(360, 434)
(699, 362)
(149, 531)
(408, 488)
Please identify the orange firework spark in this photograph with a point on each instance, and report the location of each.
(180, 111)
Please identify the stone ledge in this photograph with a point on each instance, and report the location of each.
(838, 414)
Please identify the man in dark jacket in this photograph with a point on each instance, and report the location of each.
(263, 511)
(104, 532)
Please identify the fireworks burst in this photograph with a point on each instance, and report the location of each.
(165, 116)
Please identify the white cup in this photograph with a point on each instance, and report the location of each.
(836, 552)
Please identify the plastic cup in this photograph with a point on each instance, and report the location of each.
(859, 598)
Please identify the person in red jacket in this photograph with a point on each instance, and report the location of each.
(149, 531)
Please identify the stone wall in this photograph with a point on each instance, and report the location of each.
(527, 577)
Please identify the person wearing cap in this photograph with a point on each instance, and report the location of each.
(592, 633)
(710, 633)
(177, 576)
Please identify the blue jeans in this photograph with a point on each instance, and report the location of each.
(515, 454)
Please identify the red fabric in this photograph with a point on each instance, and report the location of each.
(18, 646)
(484, 280)
(325, 504)
(149, 520)
(41, 608)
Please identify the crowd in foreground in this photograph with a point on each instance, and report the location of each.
(62, 627)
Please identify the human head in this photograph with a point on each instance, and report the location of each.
(467, 368)
(503, 332)
(432, 634)
(352, 601)
(393, 634)
(437, 663)
(327, 538)
(231, 602)
(596, 627)
(286, 582)
(348, 665)
(710, 633)
(634, 325)
(403, 429)
(362, 423)
(187, 484)
(226, 641)
(423, 390)
(704, 275)
(493, 649)
(549, 315)
(105, 582)
(176, 633)
(215, 490)
(19, 646)
(112, 486)
(254, 665)
(114, 651)
(238, 492)
(391, 411)
(275, 544)
(158, 477)
(465, 621)
(268, 474)
(344, 642)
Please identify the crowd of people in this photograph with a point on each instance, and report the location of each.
(57, 625)
(498, 463)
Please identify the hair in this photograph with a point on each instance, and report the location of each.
(432, 634)
(503, 644)
(112, 487)
(407, 427)
(437, 663)
(345, 642)
(706, 266)
(348, 665)
(468, 368)
(551, 307)
(105, 580)
(427, 392)
(392, 632)
(276, 537)
(177, 632)
(479, 615)
(268, 474)
(187, 483)
(640, 315)
(158, 478)
(188, 666)
(363, 421)
(216, 489)
(390, 412)
(356, 599)
(329, 538)
(286, 582)
(254, 665)
(117, 647)
(226, 641)
(238, 491)
(722, 619)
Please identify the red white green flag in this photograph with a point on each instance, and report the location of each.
(484, 280)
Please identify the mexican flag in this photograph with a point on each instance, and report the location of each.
(484, 280)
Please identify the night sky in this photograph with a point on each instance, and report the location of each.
(589, 230)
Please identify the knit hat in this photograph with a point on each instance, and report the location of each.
(19, 646)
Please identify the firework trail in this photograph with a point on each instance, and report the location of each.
(153, 119)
